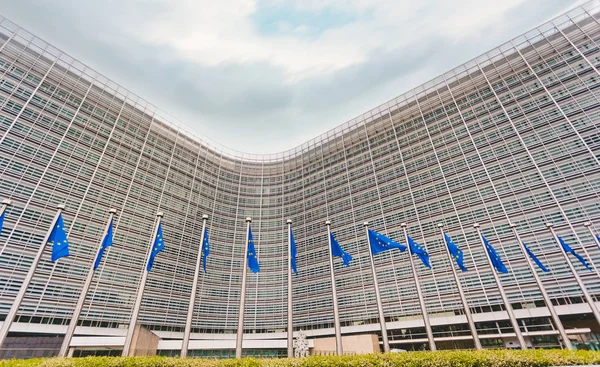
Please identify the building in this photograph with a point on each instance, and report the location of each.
(511, 135)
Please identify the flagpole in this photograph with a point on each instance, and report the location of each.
(5, 204)
(64, 349)
(10, 317)
(188, 322)
(432, 346)
(336, 314)
(384, 335)
(461, 293)
(549, 305)
(587, 224)
(507, 306)
(586, 294)
(290, 306)
(140, 294)
(240, 329)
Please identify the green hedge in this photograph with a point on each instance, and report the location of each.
(486, 358)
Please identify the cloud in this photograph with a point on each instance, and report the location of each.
(266, 75)
(224, 32)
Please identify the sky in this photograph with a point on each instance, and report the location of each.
(263, 76)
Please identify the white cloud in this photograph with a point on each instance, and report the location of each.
(222, 32)
(209, 64)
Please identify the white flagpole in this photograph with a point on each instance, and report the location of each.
(384, 335)
(461, 293)
(10, 317)
(5, 204)
(336, 314)
(507, 306)
(240, 330)
(587, 224)
(64, 349)
(428, 330)
(549, 305)
(140, 294)
(188, 322)
(586, 294)
(290, 306)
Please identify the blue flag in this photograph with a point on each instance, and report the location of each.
(252, 259)
(58, 237)
(494, 257)
(418, 250)
(380, 243)
(568, 249)
(205, 249)
(2, 221)
(336, 250)
(158, 246)
(535, 259)
(107, 241)
(597, 237)
(456, 253)
(293, 252)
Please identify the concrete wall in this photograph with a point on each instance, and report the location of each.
(354, 344)
(144, 342)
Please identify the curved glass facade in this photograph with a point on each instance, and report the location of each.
(511, 135)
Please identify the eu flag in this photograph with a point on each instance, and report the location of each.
(418, 250)
(456, 253)
(336, 250)
(568, 249)
(2, 221)
(535, 259)
(107, 241)
(158, 246)
(205, 249)
(293, 252)
(494, 257)
(58, 237)
(252, 259)
(380, 243)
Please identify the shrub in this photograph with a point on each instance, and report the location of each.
(485, 358)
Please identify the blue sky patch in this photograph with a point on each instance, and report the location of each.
(281, 20)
